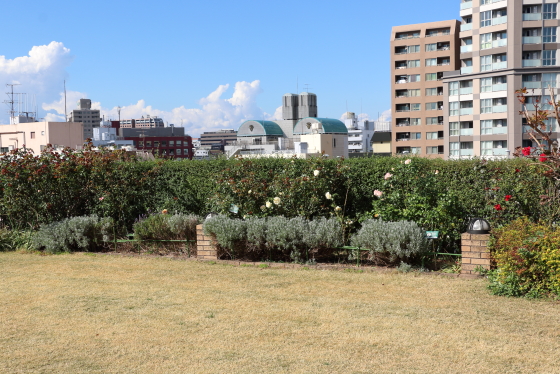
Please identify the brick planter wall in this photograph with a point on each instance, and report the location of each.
(474, 251)
(205, 250)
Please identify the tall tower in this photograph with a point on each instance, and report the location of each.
(289, 106)
(307, 105)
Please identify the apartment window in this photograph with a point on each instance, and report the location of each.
(413, 64)
(454, 149)
(486, 148)
(432, 150)
(172, 142)
(431, 62)
(415, 121)
(180, 142)
(485, 84)
(431, 47)
(431, 106)
(549, 34)
(453, 128)
(413, 49)
(415, 150)
(431, 91)
(485, 63)
(415, 92)
(334, 142)
(486, 106)
(454, 108)
(415, 107)
(431, 76)
(156, 143)
(432, 135)
(178, 151)
(164, 143)
(549, 80)
(485, 18)
(415, 135)
(141, 143)
(486, 127)
(432, 121)
(485, 41)
(148, 143)
(453, 88)
(549, 11)
(32, 134)
(549, 58)
(414, 78)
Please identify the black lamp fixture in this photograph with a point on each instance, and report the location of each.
(478, 226)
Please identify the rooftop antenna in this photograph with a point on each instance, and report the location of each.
(10, 102)
(306, 87)
(297, 84)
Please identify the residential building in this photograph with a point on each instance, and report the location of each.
(420, 55)
(360, 134)
(142, 123)
(381, 139)
(505, 45)
(90, 118)
(166, 141)
(36, 136)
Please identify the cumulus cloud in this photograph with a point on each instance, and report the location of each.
(215, 111)
(359, 116)
(385, 116)
(41, 72)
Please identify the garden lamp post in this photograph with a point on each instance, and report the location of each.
(478, 226)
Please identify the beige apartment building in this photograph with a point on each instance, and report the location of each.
(91, 118)
(420, 55)
(505, 45)
(36, 136)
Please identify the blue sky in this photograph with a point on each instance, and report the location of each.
(209, 64)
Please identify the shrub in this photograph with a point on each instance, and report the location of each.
(527, 257)
(13, 240)
(230, 233)
(391, 241)
(166, 227)
(87, 233)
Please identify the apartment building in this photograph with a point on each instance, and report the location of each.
(420, 55)
(504, 45)
(90, 118)
(147, 122)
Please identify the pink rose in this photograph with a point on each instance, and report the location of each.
(377, 193)
(387, 176)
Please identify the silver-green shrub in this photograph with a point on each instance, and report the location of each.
(398, 240)
(86, 233)
(166, 227)
(256, 234)
(228, 232)
(323, 233)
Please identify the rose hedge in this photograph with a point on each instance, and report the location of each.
(437, 194)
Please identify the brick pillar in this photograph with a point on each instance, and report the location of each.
(205, 250)
(474, 251)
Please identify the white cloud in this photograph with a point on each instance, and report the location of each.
(41, 73)
(385, 116)
(214, 113)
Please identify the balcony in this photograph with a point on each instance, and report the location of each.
(532, 16)
(499, 151)
(499, 43)
(355, 138)
(466, 26)
(499, 109)
(466, 5)
(466, 132)
(465, 152)
(531, 63)
(465, 91)
(355, 146)
(499, 87)
(403, 123)
(466, 70)
(532, 85)
(466, 111)
(499, 20)
(532, 40)
(499, 130)
(403, 139)
(499, 65)
(466, 48)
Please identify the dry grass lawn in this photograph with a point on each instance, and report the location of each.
(110, 314)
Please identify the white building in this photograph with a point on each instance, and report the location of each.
(106, 136)
(360, 134)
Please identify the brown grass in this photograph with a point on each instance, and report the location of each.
(109, 314)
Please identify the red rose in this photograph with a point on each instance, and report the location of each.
(508, 197)
(498, 207)
(526, 151)
(517, 170)
(543, 157)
